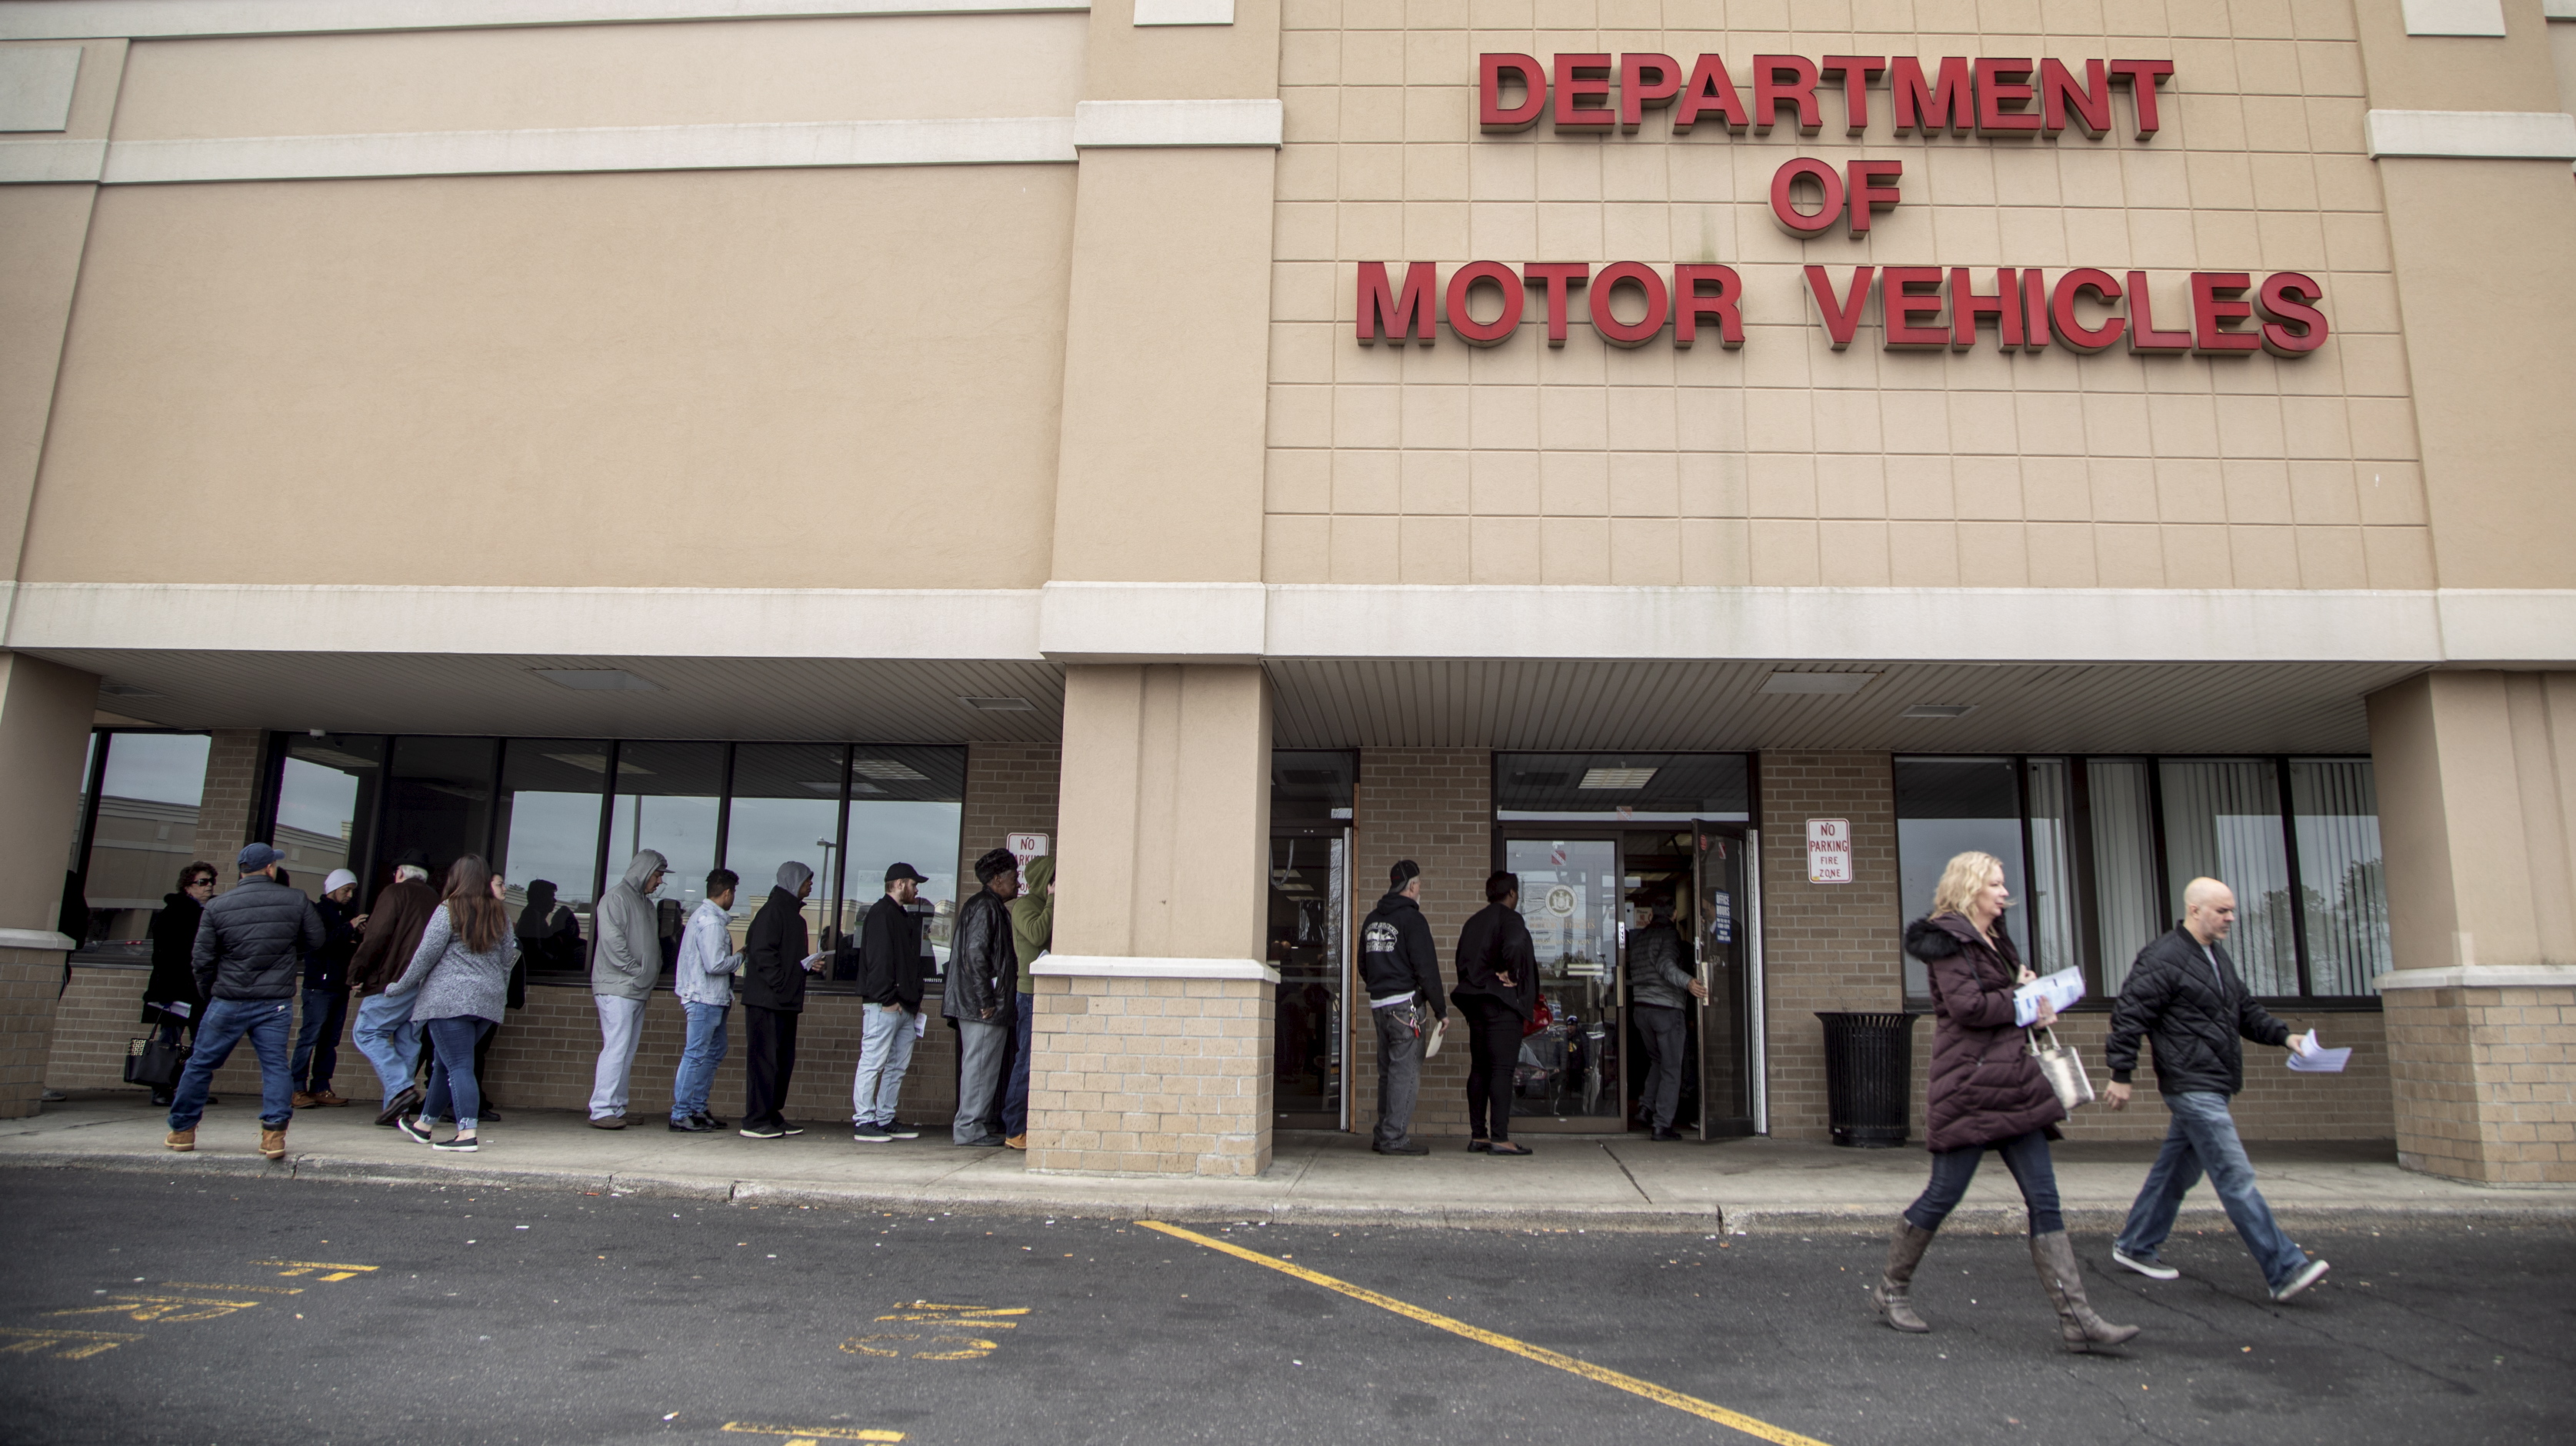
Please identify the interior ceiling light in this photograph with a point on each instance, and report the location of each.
(596, 763)
(597, 680)
(888, 770)
(1816, 683)
(1939, 710)
(1616, 778)
(998, 705)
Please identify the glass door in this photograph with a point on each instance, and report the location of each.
(1572, 1070)
(1726, 928)
(1308, 933)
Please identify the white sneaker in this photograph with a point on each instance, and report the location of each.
(2314, 1271)
(2146, 1265)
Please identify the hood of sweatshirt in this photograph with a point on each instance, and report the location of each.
(640, 871)
(792, 876)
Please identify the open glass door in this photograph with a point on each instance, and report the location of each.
(1726, 930)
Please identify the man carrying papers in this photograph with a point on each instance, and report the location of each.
(2185, 995)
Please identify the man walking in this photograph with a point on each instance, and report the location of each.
(1032, 935)
(326, 992)
(623, 965)
(703, 979)
(2184, 994)
(1400, 969)
(1660, 988)
(385, 1033)
(249, 964)
(890, 983)
(981, 965)
(773, 1001)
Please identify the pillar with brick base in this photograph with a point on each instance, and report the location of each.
(45, 713)
(1151, 1046)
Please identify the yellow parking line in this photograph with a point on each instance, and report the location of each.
(1706, 1410)
(809, 1435)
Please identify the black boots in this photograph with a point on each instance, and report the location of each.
(2063, 1279)
(1904, 1251)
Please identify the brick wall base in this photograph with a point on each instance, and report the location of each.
(2485, 1083)
(543, 1058)
(1435, 807)
(1151, 1076)
(29, 981)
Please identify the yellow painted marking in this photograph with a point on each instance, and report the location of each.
(307, 1267)
(809, 1435)
(170, 1308)
(209, 1285)
(1706, 1410)
(62, 1345)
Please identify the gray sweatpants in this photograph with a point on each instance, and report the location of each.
(1399, 1069)
(979, 1077)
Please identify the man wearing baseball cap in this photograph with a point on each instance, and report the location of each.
(890, 976)
(326, 992)
(249, 965)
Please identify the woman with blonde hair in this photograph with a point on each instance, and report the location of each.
(1986, 1093)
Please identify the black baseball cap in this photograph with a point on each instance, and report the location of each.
(905, 871)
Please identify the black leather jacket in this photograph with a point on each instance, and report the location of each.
(2194, 1018)
(982, 962)
(1657, 978)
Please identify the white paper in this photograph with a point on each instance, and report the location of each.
(2060, 989)
(920, 1025)
(2308, 1057)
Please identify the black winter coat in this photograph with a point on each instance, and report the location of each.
(983, 963)
(328, 966)
(174, 952)
(1397, 955)
(777, 944)
(1496, 941)
(890, 955)
(2193, 1016)
(251, 943)
(1985, 1085)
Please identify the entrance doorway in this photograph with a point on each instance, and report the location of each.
(1309, 936)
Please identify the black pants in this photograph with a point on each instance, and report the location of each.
(1493, 1048)
(1667, 1039)
(769, 1066)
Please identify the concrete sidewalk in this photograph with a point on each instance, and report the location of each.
(1574, 1182)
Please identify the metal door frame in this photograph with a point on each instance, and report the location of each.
(1748, 923)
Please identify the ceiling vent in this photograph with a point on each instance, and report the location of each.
(1816, 684)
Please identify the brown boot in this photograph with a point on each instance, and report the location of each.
(1904, 1251)
(302, 1100)
(2063, 1279)
(1019, 1141)
(181, 1140)
(272, 1143)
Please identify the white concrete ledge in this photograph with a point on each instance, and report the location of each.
(2512, 135)
(1178, 122)
(88, 19)
(1114, 622)
(45, 939)
(2480, 976)
(1121, 966)
(2454, 17)
(1185, 12)
(37, 163)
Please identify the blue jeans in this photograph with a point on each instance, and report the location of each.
(454, 1093)
(389, 1040)
(885, 1053)
(1015, 1100)
(698, 1059)
(2025, 1155)
(2203, 1137)
(317, 1040)
(220, 1026)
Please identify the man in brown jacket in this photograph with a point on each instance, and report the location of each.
(384, 1032)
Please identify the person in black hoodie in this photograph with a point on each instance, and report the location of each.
(1400, 969)
(174, 941)
(1497, 990)
(326, 992)
(773, 998)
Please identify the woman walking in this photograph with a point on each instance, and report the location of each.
(1497, 989)
(461, 974)
(1986, 1094)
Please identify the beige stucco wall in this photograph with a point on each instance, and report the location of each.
(1789, 463)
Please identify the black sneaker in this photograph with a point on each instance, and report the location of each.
(1407, 1148)
(490, 1116)
(692, 1126)
(462, 1145)
(786, 1129)
(416, 1129)
(401, 1104)
(1666, 1136)
(761, 1132)
(711, 1122)
(871, 1135)
(902, 1131)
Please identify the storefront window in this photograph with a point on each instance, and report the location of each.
(439, 801)
(2050, 911)
(1946, 807)
(325, 786)
(1311, 795)
(786, 807)
(2126, 915)
(2223, 821)
(551, 790)
(907, 805)
(668, 799)
(143, 833)
(2335, 804)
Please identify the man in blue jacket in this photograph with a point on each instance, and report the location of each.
(2184, 994)
(249, 966)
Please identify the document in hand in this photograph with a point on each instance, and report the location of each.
(2307, 1057)
(2060, 989)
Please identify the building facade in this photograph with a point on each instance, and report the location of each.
(1736, 454)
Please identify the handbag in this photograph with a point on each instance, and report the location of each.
(2064, 1069)
(150, 1061)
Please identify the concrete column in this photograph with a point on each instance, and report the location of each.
(45, 713)
(2477, 814)
(1152, 1043)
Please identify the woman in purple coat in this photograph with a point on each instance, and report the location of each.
(1986, 1094)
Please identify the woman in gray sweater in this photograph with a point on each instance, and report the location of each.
(461, 975)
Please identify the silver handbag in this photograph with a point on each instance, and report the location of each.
(2064, 1069)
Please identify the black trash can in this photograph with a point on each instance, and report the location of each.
(1869, 1077)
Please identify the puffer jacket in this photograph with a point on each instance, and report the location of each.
(1985, 1085)
(251, 943)
(2194, 1017)
(982, 962)
(1656, 976)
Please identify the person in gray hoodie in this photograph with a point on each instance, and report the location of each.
(623, 965)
